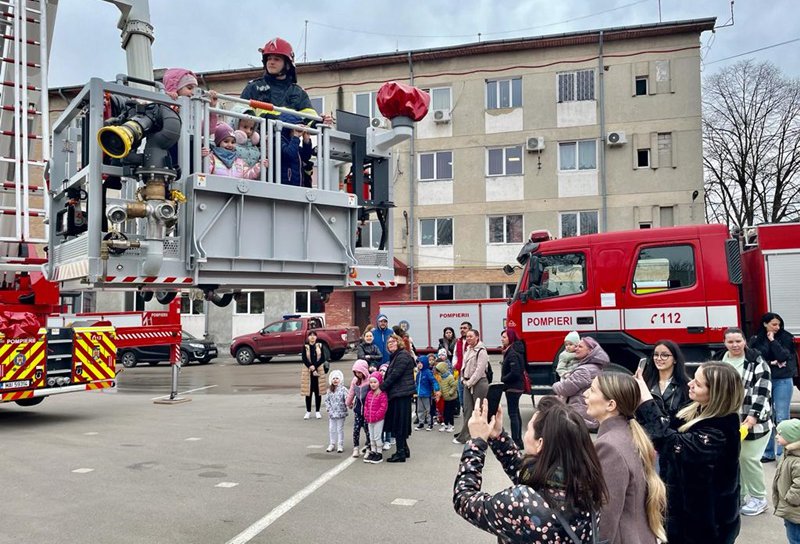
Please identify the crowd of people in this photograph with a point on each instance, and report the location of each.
(674, 460)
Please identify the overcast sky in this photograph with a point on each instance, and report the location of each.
(206, 35)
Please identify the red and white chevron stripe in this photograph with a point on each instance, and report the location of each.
(147, 279)
(373, 283)
(143, 335)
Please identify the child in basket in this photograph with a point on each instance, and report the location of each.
(359, 387)
(336, 404)
(247, 136)
(375, 405)
(224, 161)
(566, 359)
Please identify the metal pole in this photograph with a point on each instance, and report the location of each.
(602, 106)
(412, 198)
(18, 15)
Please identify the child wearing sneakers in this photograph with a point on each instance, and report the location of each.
(426, 386)
(566, 359)
(785, 496)
(355, 400)
(449, 392)
(375, 405)
(386, 436)
(336, 404)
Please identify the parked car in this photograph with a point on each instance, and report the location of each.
(287, 336)
(192, 349)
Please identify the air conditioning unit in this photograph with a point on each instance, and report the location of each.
(379, 122)
(616, 138)
(440, 117)
(534, 143)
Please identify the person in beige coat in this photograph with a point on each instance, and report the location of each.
(473, 374)
(786, 485)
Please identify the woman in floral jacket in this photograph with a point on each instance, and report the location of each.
(558, 483)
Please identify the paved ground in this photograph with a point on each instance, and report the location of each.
(115, 467)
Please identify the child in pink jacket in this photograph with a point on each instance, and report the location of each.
(375, 406)
(224, 161)
(359, 387)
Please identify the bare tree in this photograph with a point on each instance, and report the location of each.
(751, 141)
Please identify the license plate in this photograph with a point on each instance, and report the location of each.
(15, 385)
(212, 352)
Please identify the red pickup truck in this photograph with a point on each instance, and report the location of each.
(286, 337)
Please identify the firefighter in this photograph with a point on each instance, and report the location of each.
(278, 85)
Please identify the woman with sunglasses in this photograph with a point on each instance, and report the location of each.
(665, 375)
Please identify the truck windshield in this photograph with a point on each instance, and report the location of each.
(556, 275)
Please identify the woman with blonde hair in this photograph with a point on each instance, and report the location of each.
(699, 459)
(637, 497)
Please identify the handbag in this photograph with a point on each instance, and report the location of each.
(571, 534)
(526, 381)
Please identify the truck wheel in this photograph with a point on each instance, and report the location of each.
(184, 358)
(128, 359)
(30, 402)
(337, 355)
(245, 356)
(264, 359)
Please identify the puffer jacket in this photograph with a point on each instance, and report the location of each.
(358, 389)
(786, 485)
(513, 367)
(573, 386)
(447, 383)
(375, 406)
(399, 378)
(370, 353)
(336, 403)
(426, 384)
(238, 169)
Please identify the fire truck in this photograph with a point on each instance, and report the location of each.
(130, 203)
(631, 289)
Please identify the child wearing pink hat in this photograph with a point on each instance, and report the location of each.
(375, 406)
(224, 161)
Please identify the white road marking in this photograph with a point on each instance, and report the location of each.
(404, 502)
(456, 455)
(227, 484)
(251, 532)
(184, 392)
(92, 433)
(83, 470)
(315, 447)
(193, 439)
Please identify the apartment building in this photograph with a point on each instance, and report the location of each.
(573, 133)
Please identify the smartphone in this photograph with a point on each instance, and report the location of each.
(642, 363)
(493, 396)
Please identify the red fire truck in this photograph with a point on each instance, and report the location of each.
(631, 289)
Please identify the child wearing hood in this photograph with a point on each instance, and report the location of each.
(336, 404)
(375, 405)
(426, 386)
(786, 485)
(449, 392)
(293, 152)
(224, 161)
(566, 359)
(359, 387)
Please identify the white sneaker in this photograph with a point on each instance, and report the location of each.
(329, 448)
(355, 452)
(307, 416)
(340, 449)
(387, 446)
(443, 428)
(319, 416)
(754, 507)
(450, 429)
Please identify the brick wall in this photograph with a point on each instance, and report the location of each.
(339, 309)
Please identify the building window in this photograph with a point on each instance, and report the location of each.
(250, 303)
(641, 86)
(665, 149)
(318, 103)
(191, 305)
(580, 155)
(647, 225)
(642, 158)
(505, 229)
(370, 235)
(76, 303)
(440, 98)
(436, 292)
(436, 166)
(574, 86)
(578, 223)
(662, 269)
(503, 290)
(503, 93)
(667, 214)
(308, 302)
(557, 275)
(504, 161)
(367, 104)
(134, 302)
(436, 232)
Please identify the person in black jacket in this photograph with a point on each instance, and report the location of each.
(448, 342)
(665, 375)
(700, 458)
(368, 351)
(776, 346)
(511, 376)
(398, 383)
(312, 377)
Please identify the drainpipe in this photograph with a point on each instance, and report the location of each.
(602, 104)
(412, 198)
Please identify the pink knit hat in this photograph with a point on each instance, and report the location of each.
(178, 78)
(222, 131)
(378, 376)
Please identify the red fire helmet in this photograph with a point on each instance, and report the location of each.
(278, 46)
